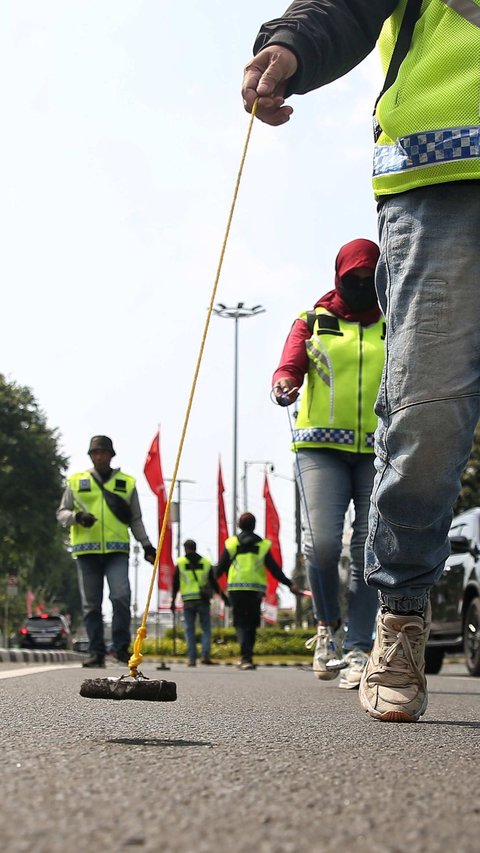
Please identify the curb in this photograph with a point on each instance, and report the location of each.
(38, 656)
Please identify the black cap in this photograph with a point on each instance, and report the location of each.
(101, 442)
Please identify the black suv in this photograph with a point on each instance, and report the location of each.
(456, 598)
(46, 631)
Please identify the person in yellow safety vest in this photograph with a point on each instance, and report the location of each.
(339, 348)
(99, 507)
(247, 558)
(195, 579)
(426, 174)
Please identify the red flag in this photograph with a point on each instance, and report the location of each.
(166, 566)
(222, 523)
(272, 532)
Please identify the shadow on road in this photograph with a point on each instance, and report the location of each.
(141, 741)
(460, 723)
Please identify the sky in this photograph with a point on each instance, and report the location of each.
(123, 128)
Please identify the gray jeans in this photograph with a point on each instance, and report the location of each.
(428, 279)
(92, 569)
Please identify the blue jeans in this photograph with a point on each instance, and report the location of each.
(190, 611)
(428, 280)
(328, 480)
(91, 570)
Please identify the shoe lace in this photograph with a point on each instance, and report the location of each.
(399, 658)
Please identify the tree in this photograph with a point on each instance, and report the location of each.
(32, 472)
(470, 492)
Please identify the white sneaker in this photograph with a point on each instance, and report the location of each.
(328, 655)
(393, 686)
(356, 661)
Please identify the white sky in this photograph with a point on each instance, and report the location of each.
(122, 132)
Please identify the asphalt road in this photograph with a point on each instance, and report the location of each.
(271, 761)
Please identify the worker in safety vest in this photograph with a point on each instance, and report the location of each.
(426, 172)
(338, 349)
(247, 558)
(100, 506)
(195, 579)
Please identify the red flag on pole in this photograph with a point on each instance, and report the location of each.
(222, 522)
(166, 567)
(272, 532)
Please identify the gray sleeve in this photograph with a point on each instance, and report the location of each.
(136, 525)
(66, 511)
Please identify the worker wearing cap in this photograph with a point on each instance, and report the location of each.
(100, 506)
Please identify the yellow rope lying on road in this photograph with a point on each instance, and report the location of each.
(136, 657)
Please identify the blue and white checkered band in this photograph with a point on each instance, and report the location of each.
(369, 439)
(427, 149)
(324, 435)
(118, 546)
(86, 546)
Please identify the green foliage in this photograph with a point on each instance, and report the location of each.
(32, 473)
(271, 641)
(470, 491)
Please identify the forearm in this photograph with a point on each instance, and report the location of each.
(275, 570)
(328, 37)
(293, 363)
(66, 511)
(136, 523)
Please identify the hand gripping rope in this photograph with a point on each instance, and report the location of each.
(334, 663)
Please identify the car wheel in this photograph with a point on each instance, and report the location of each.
(471, 637)
(433, 659)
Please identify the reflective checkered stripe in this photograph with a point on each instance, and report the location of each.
(430, 116)
(427, 149)
(84, 547)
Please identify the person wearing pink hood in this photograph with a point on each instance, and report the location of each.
(338, 347)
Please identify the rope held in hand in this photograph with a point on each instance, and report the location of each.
(136, 658)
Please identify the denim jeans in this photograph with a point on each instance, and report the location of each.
(190, 611)
(428, 280)
(91, 570)
(327, 481)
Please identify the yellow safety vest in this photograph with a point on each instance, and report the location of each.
(430, 116)
(247, 571)
(345, 363)
(108, 534)
(190, 586)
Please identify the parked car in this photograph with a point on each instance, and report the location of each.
(81, 644)
(46, 631)
(456, 598)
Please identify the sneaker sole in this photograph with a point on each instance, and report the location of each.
(325, 675)
(393, 716)
(347, 686)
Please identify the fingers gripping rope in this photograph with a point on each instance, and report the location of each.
(281, 397)
(136, 657)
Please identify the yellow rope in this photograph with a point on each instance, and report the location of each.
(136, 657)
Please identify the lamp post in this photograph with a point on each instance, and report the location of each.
(237, 312)
(178, 484)
(266, 463)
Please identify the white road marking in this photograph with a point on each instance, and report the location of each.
(16, 673)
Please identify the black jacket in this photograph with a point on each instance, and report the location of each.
(328, 37)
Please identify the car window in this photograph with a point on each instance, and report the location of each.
(39, 622)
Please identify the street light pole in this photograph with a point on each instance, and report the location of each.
(236, 313)
(266, 462)
(178, 484)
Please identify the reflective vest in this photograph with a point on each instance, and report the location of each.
(345, 363)
(189, 585)
(430, 116)
(108, 534)
(247, 572)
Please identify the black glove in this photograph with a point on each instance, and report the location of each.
(226, 600)
(172, 607)
(86, 519)
(150, 553)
